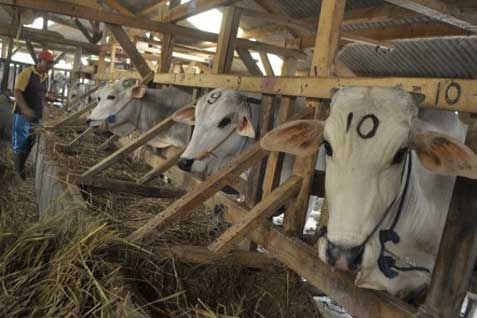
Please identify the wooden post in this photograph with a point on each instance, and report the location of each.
(101, 61)
(266, 64)
(167, 45)
(76, 65)
(113, 58)
(6, 68)
(227, 38)
(326, 45)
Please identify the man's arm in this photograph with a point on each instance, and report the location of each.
(20, 86)
(22, 104)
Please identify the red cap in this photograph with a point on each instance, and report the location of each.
(46, 55)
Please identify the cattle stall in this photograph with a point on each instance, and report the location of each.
(387, 44)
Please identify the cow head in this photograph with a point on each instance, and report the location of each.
(223, 124)
(112, 109)
(367, 137)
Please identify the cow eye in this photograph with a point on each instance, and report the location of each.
(224, 122)
(111, 97)
(399, 156)
(328, 149)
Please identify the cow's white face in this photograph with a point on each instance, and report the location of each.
(366, 138)
(112, 110)
(222, 126)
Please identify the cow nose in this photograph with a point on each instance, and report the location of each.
(345, 259)
(185, 164)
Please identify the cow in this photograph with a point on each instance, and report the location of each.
(390, 172)
(124, 107)
(6, 107)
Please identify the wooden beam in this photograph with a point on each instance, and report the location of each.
(252, 220)
(442, 11)
(264, 31)
(249, 62)
(154, 173)
(69, 146)
(279, 19)
(183, 207)
(128, 46)
(108, 143)
(125, 187)
(41, 36)
(435, 89)
(31, 50)
(201, 255)
(304, 260)
(152, 7)
(365, 40)
(119, 7)
(83, 30)
(194, 7)
(266, 64)
(120, 153)
(73, 116)
(79, 11)
(376, 14)
(226, 44)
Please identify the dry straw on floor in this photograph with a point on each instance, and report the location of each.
(89, 270)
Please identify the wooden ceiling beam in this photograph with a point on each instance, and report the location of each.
(279, 20)
(378, 14)
(441, 11)
(226, 44)
(62, 7)
(149, 9)
(192, 8)
(249, 62)
(119, 7)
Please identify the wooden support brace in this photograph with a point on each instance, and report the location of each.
(154, 173)
(120, 153)
(226, 42)
(249, 62)
(73, 116)
(266, 64)
(31, 50)
(123, 39)
(69, 146)
(269, 205)
(124, 187)
(183, 207)
(201, 255)
(105, 145)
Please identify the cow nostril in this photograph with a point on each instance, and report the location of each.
(185, 164)
(344, 258)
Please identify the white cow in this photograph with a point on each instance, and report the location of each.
(389, 177)
(124, 107)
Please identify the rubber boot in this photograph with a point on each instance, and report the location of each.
(19, 165)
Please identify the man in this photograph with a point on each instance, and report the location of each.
(31, 88)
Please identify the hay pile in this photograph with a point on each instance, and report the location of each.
(89, 270)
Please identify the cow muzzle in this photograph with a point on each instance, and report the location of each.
(344, 259)
(185, 164)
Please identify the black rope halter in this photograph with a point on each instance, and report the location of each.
(386, 261)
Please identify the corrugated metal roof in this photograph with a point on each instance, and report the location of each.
(309, 8)
(386, 24)
(446, 57)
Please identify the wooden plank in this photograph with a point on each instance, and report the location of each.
(377, 14)
(271, 6)
(169, 162)
(105, 145)
(167, 48)
(69, 146)
(249, 62)
(364, 40)
(119, 7)
(304, 260)
(152, 7)
(127, 45)
(125, 187)
(266, 64)
(83, 30)
(120, 153)
(194, 7)
(435, 89)
(183, 207)
(80, 11)
(72, 116)
(201, 255)
(31, 50)
(442, 11)
(226, 43)
(252, 220)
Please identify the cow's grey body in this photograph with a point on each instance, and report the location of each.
(5, 117)
(142, 114)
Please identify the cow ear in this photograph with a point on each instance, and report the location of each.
(443, 154)
(245, 127)
(185, 115)
(138, 91)
(299, 137)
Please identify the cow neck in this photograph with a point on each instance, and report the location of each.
(387, 263)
